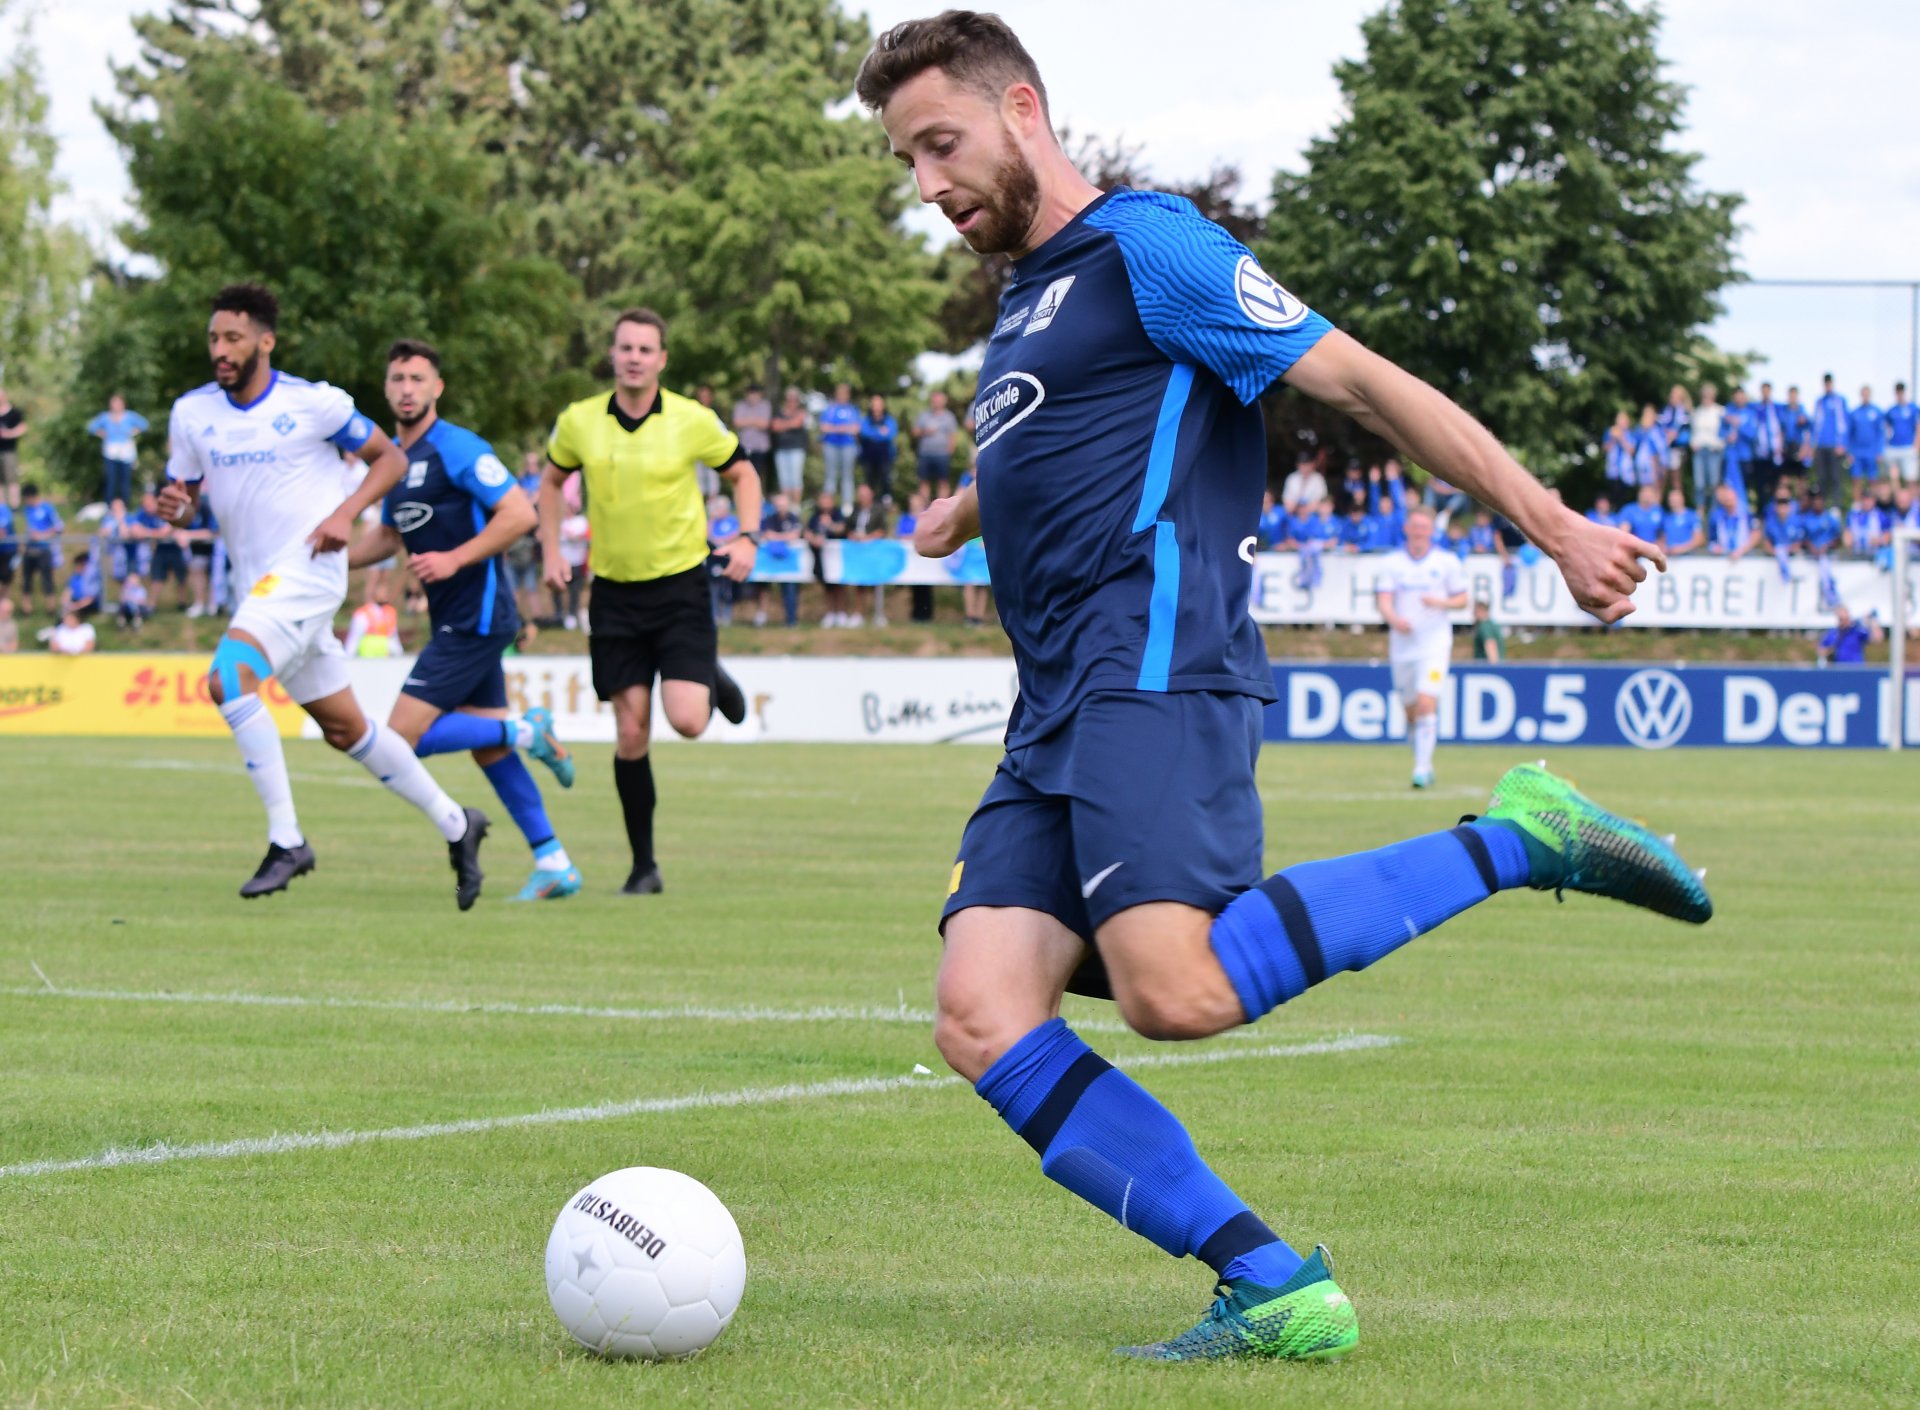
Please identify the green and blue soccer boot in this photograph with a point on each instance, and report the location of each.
(546, 746)
(550, 884)
(1307, 1318)
(1573, 844)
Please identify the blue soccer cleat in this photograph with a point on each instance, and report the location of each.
(546, 746)
(547, 884)
(1306, 1319)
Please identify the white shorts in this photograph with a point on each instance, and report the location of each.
(1903, 463)
(1420, 675)
(293, 622)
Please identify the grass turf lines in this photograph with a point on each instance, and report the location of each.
(1611, 1160)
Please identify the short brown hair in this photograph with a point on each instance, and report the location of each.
(413, 347)
(646, 318)
(975, 50)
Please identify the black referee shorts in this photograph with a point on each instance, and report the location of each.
(661, 627)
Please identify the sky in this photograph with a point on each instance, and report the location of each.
(1811, 119)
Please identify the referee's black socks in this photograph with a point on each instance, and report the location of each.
(634, 778)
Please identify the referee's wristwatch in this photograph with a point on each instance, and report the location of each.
(753, 539)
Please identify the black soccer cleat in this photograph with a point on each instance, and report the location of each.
(280, 866)
(728, 698)
(465, 857)
(643, 881)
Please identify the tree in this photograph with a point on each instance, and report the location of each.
(366, 227)
(43, 263)
(588, 106)
(779, 253)
(1505, 212)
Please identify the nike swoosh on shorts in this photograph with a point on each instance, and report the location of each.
(1092, 883)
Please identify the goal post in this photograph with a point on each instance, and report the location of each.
(1905, 541)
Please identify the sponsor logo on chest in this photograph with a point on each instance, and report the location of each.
(1003, 404)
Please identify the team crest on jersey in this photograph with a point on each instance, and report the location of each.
(417, 473)
(1003, 404)
(411, 515)
(283, 423)
(1263, 299)
(1044, 312)
(490, 472)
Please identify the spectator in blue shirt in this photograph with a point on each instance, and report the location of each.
(1736, 429)
(118, 429)
(1846, 644)
(1782, 524)
(1649, 450)
(1482, 537)
(1903, 421)
(1602, 511)
(83, 587)
(1731, 531)
(1829, 438)
(1680, 530)
(1867, 527)
(1799, 430)
(41, 555)
(1768, 443)
(1453, 539)
(1618, 445)
(1866, 437)
(1271, 532)
(1312, 536)
(840, 437)
(879, 443)
(1643, 518)
(1676, 424)
(1820, 526)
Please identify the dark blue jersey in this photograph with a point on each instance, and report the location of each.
(452, 483)
(1122, 455)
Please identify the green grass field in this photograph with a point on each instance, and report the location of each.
(1611, 1160)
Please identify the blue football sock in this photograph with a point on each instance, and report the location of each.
(454, 732)
(1318, 918)
(1105, 1138)
(521, 794)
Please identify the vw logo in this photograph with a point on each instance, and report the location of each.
(1653, 709)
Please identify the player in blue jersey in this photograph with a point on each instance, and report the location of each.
(457, 509)
(1117, 850)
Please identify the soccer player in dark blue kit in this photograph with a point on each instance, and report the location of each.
(455, 511)
(1117, 851)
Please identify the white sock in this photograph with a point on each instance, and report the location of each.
(1426, 730)
(391, 759)
(259, 740)
(522, 733)
(555, 858)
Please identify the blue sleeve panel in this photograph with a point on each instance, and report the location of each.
(1202, 297)
(354, 432)
(472, 465)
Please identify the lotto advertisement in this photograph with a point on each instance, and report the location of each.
(120, 693)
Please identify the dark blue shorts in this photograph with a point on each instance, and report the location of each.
(1138, 797)
(458, 668)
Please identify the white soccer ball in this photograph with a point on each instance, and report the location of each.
(645, 1262)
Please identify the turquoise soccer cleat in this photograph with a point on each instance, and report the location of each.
(1573, 844)
(546, 746)
(1307, 1318)
(546, 884)
(1423, 779)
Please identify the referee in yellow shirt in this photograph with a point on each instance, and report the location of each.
(651, 613)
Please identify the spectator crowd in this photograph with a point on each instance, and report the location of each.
(1750, 475)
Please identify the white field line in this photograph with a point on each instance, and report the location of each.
(190, 766)
(162, 1152)
(746, 1013)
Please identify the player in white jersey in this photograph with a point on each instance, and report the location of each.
(264, 449)
(1418, 587)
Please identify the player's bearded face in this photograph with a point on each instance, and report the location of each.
(235, 363)
(1007, 204)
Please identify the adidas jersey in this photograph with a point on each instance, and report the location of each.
(271, 470)
(1437, 574)
(452, 483)
(1122, 455)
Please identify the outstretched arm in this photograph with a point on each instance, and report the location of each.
(948, 524)
(1601, 565)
